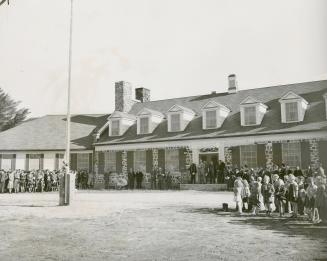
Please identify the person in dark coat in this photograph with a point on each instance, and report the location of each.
(131, 178)
(221, 172)
(298, 172)
(154, 177)
(193, 172)
(211, 172)
(139, 179)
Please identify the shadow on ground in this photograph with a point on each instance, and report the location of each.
(289, 227)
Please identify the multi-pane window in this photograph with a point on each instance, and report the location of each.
(110, 161)
(175, 122)
(291, 111)
(250, 115)
(211, 119)
(115, 127)
(60, 158)
(82, 161)
(144, 125)
(172, 160)
(291, 153)
(6, 162)
(249, 155)
(140, 160)
(34, 161)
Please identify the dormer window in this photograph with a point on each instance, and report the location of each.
(252, 111)
(119, 123)
(179, 117)
(213, 115)
(293, 107)
(250, 117)
(148, 120)
(291, 112)
(175, 121)
(114, 127)
(144, 125)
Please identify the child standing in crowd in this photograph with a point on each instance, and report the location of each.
(293, 191)
(268, 194)
(238, 186)
(255, 189)
(245, 195)
(311, 193)
(280, 197)
(301, 198)
(321, 201)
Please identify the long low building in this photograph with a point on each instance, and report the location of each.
(254, 127)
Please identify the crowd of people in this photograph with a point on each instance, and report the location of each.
(28, 181)
(281, 190)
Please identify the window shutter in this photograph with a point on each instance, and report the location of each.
(305, 154)
(73, 161)
(130, 160)
(90, 162)
(236, 156)
(261, 155)
(13, 162)
(27, 162)
(0, 161)
(277, 153)
(161, 159)
(322, 153)
(101, 162)
(149, 161)
(119, 168)
(182, 159)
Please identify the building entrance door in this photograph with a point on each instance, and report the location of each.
(208, 157)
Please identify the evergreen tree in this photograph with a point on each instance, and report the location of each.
(10, 115)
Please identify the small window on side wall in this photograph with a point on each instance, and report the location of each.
(291, 111)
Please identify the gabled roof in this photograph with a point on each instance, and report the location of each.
(49, 132)
(146, 111)
(314, 120)
(291, 96)
(214, 104)
(250, 100)
(124, 115)
(176, 108)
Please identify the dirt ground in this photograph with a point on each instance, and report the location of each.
(145, 225)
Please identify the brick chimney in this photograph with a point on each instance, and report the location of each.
(142, 94)
(123, 96)
(232, 83)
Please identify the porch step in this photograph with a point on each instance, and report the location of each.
(203, 187)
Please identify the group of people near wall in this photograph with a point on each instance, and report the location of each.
(207, 173)
(28, 181)
(282, 190)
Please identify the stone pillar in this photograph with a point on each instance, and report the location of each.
(314, 154)
(124, 163)
(228, 156)
(155, 162)
(269, 155)
(189, 157)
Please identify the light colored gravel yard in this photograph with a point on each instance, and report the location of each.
(145, 225)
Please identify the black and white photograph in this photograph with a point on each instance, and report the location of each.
(163, 130)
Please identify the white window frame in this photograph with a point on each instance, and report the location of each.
(297, 111)
(141, 131)
(294, 152)
(206, 118)
(34, 156)
(253, 156)
(245, 116)
(9, 159)
(111, 127)
(171, 122)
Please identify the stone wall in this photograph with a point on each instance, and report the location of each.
(314, 153)
(124, 162)
(269, 155)
(155, 158)
(228, 156)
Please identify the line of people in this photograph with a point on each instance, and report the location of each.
(28, 181)
(282, 192)
(207, 173)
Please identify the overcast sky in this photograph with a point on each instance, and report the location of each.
(173, 47)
